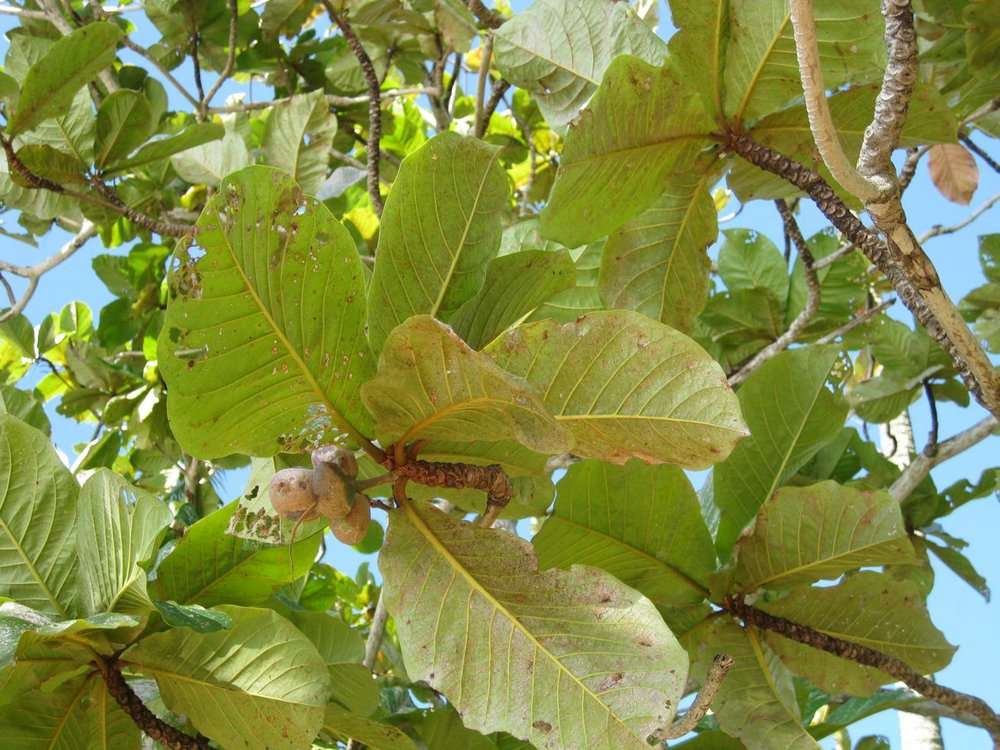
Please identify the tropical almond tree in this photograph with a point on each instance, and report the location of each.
(454, 284)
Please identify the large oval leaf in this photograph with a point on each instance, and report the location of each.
(38, 499)
(642, 127)
(559, 49)
(657, 263)
(260, 683)
(440, 228)
(563, 659)
(627, 387)
(263, 345)
(118, 530)
(803, 534)
(52, 82)
(640, 523)
(431, 386)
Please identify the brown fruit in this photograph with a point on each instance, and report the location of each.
(292, 495)
(352, 528)
(341, 458)
(330, 482)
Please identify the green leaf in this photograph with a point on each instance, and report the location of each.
(47, 162)
(275, 322)
(54, 717)
(749, 260)
(756, 701)
(698, 47)
(193, 616)
(25, 407)
(515, 285)
(209, 567)
(761, 71)
(559, 49)
(642, 128)
(805, 534)
(868, 608)
(197, 134)
(345, 725)
(627, 387)
(211, 162)
(440, 228)
(780, 442)
(298, 138)
(52, 82)
(456, 394)
(442, 729)
(640, 523)
(523, 657)
(883, 398)
(124, 122)
(354, 688)
(38, 498)
(118, 531)
(110, 727)
(582, 298)
(258, 684)
(284, 17)
(657, 263)
(335, 641)
(961, 566)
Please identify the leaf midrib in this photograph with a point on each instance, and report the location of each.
(446, 282)
(300, 363)
(432, 539)
(764, 59)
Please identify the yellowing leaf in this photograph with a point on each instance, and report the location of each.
(563, 659)
(954, 172)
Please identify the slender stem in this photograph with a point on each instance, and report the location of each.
(13, 10)
(487, 17)
(978, 151)
(909, 170)
(496, 96)
(818, 110)
(808, 312)
(196, 63)
(147, 55)
(855, 322)
(485, 61)
(868, 657)
(721, 665)
(938, 230)
(374, 103)
(932, 438)
(227, 70)
(376, 633)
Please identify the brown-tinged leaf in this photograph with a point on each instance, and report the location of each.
(954, 172)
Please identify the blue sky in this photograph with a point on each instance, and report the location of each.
(956, 609)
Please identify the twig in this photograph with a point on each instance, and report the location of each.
(721, 665)
(911, 273)
(932, 438)
(374, 103)
(868, 657)
(11, 297)
(487, 17)
(937, 230)
(485, 61)
(490, 479)
(13, 10)
(147, 55)
(331, 99)
(855, 322)
(818, 110)
(978, 151)
(846, 249)
(146, 720)
(35, 272)
(196, 63)
(500, 88)
(376, 632)
(227, 70)
(808, 312)
(909, 170)
(922, 464)
(165, 228)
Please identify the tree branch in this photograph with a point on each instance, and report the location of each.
(911, 273)
(227, 70)
(485, 61)
(808, 312)
(147, 55)
(146, 720)
(500, 87)
(376, 632)
(868, 657)
(374, 104)
(35, 272)
(921, 466)
(818, 110)
(932, 438)
(721, 665)
(937, 230)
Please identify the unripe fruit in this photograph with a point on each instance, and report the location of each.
(333, 468)
(292, 495)
(352, 528)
